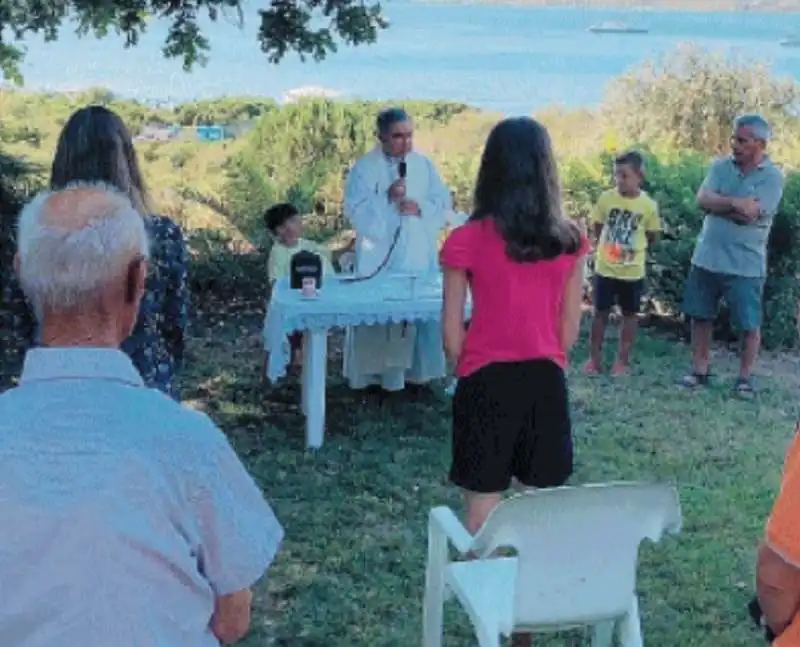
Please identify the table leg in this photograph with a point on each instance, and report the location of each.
(306, 372)
(315, 368)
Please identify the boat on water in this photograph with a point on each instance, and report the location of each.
(617, 28)
(309, 92)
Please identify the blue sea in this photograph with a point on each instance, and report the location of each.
(511, 59)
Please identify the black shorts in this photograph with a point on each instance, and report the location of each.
(626, 294)
(296, 340)
(511, 420)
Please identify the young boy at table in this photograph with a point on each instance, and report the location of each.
(285, 225)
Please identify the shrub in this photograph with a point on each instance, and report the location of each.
(691, 97)
(782, 292)
(219, 268)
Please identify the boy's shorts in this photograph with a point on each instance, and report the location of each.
(743, 294)
(296, 340)
(626, 294)
(511, 419)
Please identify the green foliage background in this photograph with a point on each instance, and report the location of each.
(678, 110)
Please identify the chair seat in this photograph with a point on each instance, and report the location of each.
(486, 588)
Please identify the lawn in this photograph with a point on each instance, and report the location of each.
(351, 570)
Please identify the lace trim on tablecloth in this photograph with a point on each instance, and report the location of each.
(278, 325)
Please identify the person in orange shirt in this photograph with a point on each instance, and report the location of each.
(778, 563)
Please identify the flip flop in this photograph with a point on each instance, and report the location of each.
(693, 380)
(619, 370)
(590, 368)
(743, 388)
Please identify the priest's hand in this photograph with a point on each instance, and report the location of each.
(397, 191)
(409, 207)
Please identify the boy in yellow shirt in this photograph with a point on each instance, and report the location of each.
(626, 221)
(284, 223)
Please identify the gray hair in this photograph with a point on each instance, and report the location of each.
(68, 254)
(389, 117)
(96, 146)
(756, 123)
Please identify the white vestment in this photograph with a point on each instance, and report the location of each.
(455, 218)
(391, 355)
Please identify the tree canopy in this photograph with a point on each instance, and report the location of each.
(306, 27)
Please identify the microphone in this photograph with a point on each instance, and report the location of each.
(402, 168)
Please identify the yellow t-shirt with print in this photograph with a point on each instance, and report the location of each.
(622, 247)
(280, 258)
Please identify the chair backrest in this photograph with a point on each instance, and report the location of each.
(579, 544)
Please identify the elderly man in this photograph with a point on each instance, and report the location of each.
(397, 203)
(740, 196)
(127, 518)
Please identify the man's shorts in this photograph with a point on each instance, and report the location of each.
(626, 294)
(743, 294)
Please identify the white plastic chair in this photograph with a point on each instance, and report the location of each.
(577, 550)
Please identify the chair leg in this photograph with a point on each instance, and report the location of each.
(630, 629)
(433, 616)
(603, 634)
(435, 591)
(487, 638)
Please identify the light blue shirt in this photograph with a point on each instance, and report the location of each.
(728, 247)
(123, 513)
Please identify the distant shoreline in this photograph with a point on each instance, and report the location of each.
(685, 6)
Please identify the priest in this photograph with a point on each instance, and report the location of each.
(396, 202)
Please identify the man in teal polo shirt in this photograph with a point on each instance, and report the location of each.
(740, 196)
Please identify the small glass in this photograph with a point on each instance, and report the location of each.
(309, 287)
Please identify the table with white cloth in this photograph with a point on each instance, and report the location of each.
(340, 303)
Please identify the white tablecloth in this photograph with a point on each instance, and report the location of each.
(341, 304)
(393, 298)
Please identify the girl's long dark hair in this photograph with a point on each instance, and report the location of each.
(518, 188)
(96, 146)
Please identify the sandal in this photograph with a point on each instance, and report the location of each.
(590, 368)
(619, 369)
(693, 380)
(743, 388)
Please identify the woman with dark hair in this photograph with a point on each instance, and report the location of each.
(95, 146)
(522, 260)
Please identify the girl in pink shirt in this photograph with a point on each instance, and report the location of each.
(522, 261)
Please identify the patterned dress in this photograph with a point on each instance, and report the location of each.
(156, 345)
(17, 324)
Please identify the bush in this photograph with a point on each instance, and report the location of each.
(690, 98)
(220, 269)
(782, 292)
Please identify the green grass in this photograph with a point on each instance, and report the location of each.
(351, 570)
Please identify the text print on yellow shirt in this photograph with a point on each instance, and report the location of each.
(623, 242)
(619, 244)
